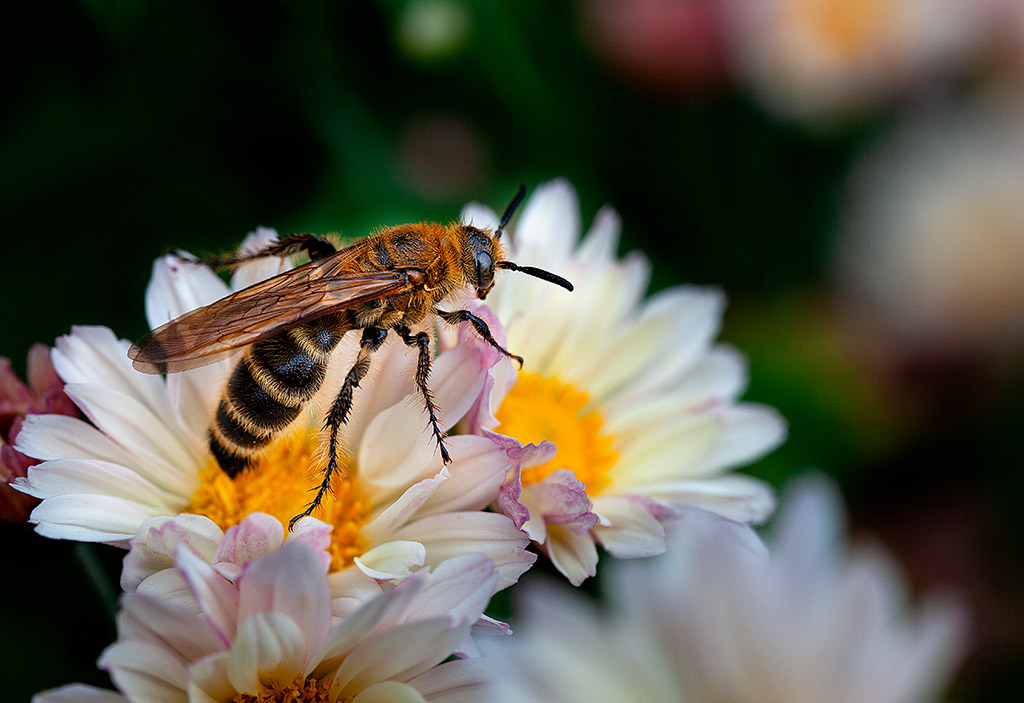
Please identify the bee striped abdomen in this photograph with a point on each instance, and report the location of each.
(267, 389)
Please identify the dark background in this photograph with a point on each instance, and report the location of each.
(128, 128)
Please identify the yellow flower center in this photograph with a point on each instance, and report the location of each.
(538, 409)
(847, 27)
(281, 483)
(299, 691)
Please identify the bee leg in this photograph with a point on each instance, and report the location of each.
(421, 341)
(456, 317)
(316, 247)
(373, 338)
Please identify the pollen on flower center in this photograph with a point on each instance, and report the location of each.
(280, 483)
(539, 408)
(299, 691)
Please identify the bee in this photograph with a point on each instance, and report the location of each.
(390, 281)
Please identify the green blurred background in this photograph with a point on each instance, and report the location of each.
(131, 127)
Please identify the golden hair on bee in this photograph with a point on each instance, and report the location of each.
(290, 324)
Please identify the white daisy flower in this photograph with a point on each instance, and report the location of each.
(635, 395)
(717, 620)
(814, 58)
(271, 634)
(145, 453)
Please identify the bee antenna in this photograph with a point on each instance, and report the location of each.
(536, 273)
(511, 209)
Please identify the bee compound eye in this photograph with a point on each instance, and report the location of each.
(484, 269)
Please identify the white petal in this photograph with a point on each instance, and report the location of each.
(160, 455)
(62, 437)
(93, 355)
(291, 581)
(146, 672)
(194, 395)
(457, 588)
(208, 680)
(460, 681)
(375, 613)
(456, 378)
(177, 287)
(78, 693)
(389, 692)
(749, 432)
(350, 590)
(476, 473)
(258, 534)
(89, 518)
(806, 532)
(155, 545)
(737, 497)
(72, 477)
(392, 560)
(216, 596)
(670, 448)
(270, 648)
(383, 525)
(455, 534)
(600, 247)
(549, 225)
(258, 269)
(628, 529)
(180, 631)
(391, 458)
(694, 316)
(574, 555)
(480, 216)
(396, 653)
(717, 377)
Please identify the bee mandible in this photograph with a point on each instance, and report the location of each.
(291, 323)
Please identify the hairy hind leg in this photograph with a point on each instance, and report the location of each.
(373, 338)
(421, 341)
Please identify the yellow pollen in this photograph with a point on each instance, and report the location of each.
(282, 482)
(538, 409)
(299, 691)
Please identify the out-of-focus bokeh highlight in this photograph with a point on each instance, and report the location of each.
(850, 172)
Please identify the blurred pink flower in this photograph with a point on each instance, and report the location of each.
(668, 45)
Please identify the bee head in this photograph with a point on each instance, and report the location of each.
(494, 262)
(482, 253)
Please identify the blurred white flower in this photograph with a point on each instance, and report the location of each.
(933, 235)
(144, 455)
(716, 619)
(639, 401)
(809, 58)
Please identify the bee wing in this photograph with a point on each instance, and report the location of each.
(216, 331)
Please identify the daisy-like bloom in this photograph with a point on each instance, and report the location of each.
(812, 58)
(718, 619)
(639, 402)
(271, 633)
(932, 241)
(145, 455)
(44, 393)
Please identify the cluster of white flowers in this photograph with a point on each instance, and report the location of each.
(621, 430)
